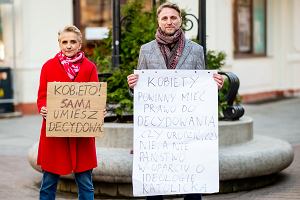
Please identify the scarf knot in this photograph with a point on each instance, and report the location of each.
(71, 65)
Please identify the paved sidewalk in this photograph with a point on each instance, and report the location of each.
(286, 188)
(277, 119)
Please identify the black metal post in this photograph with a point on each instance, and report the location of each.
(77, 15)
(116, 34)
(202, 26)
(153, 4)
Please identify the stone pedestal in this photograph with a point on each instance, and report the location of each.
(246, 161)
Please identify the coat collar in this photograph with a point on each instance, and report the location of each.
(185, 53)
(67, 78)
(158, 54)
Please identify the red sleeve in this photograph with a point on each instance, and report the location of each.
(42, 92)
(94, 75)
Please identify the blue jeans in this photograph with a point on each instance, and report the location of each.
(186, 197)
(82, 179)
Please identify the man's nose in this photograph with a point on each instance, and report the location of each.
(169, 21)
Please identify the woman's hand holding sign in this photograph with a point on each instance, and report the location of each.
(44, 112)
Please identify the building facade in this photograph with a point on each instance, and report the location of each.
(260, 38)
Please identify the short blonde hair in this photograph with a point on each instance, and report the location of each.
(73, 29)
(168, 5)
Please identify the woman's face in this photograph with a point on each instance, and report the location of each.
(69, 43)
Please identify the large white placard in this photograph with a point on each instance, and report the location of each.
(175, 133)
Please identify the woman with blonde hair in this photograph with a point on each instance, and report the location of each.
(63, 155)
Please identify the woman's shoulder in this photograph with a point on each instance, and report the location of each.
(50, 62)
(88, 62)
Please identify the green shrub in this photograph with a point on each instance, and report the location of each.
(137, 27)
(215, 60)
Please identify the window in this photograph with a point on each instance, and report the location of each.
(94, 19)
(250, 27)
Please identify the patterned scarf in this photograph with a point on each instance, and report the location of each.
(71, 65)
(171, 47)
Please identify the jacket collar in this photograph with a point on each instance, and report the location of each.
(185, 53)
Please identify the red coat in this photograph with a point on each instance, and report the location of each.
(65, 155)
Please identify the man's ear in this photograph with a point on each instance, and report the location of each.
(180, 21)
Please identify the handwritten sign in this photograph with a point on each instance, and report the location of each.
(75, 109)
(175, 133)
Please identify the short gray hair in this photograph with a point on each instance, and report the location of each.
(73, 29)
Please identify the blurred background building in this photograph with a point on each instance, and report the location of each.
(261, 39)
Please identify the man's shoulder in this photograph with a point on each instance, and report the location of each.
(194, 45)
(148, 46)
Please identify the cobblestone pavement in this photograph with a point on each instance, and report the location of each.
(276, 119)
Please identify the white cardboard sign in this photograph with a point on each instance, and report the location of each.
(175, 133)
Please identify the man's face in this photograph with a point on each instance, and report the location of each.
(169, 21)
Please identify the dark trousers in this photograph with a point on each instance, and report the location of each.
(186, 197)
